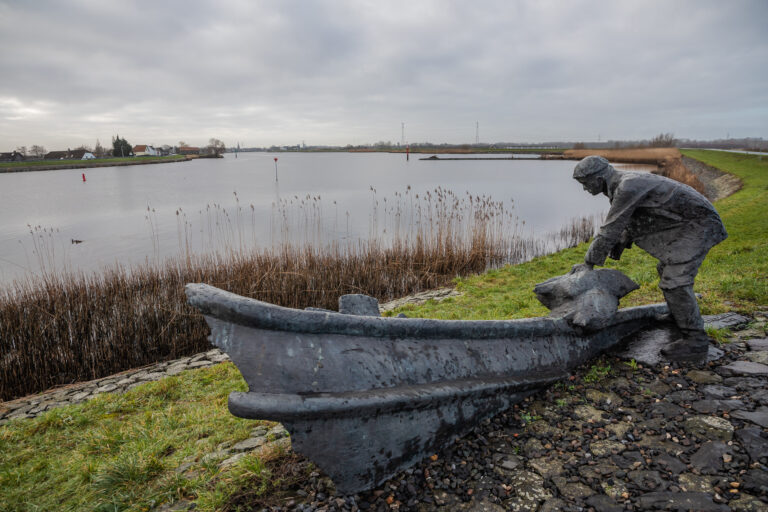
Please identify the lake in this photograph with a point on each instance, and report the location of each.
(129, 215)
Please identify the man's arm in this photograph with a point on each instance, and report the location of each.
(625, 201)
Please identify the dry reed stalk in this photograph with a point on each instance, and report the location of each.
(60, 327)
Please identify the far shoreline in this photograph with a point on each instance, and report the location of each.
(88, 164)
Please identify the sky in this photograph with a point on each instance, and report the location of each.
(339, 72)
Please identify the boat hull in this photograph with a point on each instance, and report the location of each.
(365, 397)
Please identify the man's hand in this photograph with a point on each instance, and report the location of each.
(581, 267)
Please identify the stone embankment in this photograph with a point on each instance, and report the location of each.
(87, 164)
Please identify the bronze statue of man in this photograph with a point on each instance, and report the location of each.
(670, 221)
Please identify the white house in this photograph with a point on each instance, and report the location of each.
(87, 156)
(144, 150)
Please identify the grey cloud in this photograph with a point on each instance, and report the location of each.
(277, 72)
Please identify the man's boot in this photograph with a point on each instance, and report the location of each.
(693, 347)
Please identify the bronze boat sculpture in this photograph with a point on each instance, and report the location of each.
(364, 397)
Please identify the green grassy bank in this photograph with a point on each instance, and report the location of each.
(121, 452)
(98, 162)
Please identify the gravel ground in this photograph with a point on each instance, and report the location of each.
(637, 437)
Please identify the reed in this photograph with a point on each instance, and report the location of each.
(61, 326)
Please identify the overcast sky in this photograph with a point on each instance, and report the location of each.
(337, 72)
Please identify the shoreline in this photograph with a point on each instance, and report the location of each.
(81, 165)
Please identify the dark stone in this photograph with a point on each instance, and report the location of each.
(669, 463)
(666, 410)
(713, 406)
(745, 383)
(647, 480)
(759, 416)
(758, 344)
(745, 368)
(755, 481)
(358, 304)
(726, 321)
(628, 459)
(719, 392)
(754, 441)
(685, 396)
(602, 503)
(709, 458)
(680, 501)
(760, 396)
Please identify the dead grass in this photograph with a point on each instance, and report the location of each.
(60, 328)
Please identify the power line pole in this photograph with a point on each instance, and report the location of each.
(477, 132)
(402, 134)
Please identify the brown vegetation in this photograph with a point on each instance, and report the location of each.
(668, 160)
(63, 328)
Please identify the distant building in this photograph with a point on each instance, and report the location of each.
(88, 156)
(189, 150)
(144, 150)
(70, 154)
(13, 156)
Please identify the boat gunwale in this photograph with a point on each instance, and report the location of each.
(248, 312)
(293, 407)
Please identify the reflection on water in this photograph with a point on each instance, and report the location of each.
(142, 213)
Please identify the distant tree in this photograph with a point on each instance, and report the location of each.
(182, 144)
(664, 140)
(85, 147)
(215, 146)
(22, 150)
(98, 150)
(121, 147)
(579, 145)
(38, 151)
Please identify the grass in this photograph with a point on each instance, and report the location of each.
(119, 452)
(98, 162)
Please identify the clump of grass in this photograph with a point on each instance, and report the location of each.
(719, 335)
(63, 327)
(598, 372)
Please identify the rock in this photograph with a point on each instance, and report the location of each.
(719, 392)
(708, 427)
(615, 490)
(529, 486)
(80, 396)
(666, 410)
(199, 364)
(176, 369)
(713, 406)
(754, 441)
(682, 396)
(106, 389)
(588, 413)
(725, 321)
(232, 460)
(547, 468)
(479, 506)
(745, 383)
(748, 503)
(358, 304)
(646, 480)
(619, 429)
(510, 463)
(745, 368)
(572, 491)
(606, 447)
(758, 344)
(553, 505)
(760, 357)
(603, 397)
(709, 458)
(679, 501)
(249, 444)
(670, 464)
(659, 387)
(602, 503)
(533, 447)
(755, 481)
(759, 416)
(696, 483)
(704, 377)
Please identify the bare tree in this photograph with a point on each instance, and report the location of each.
(22, 150)
(98, 149)
(37, 151)
(215, 146)
(664, 140)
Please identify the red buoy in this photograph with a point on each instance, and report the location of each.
(83, 177)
